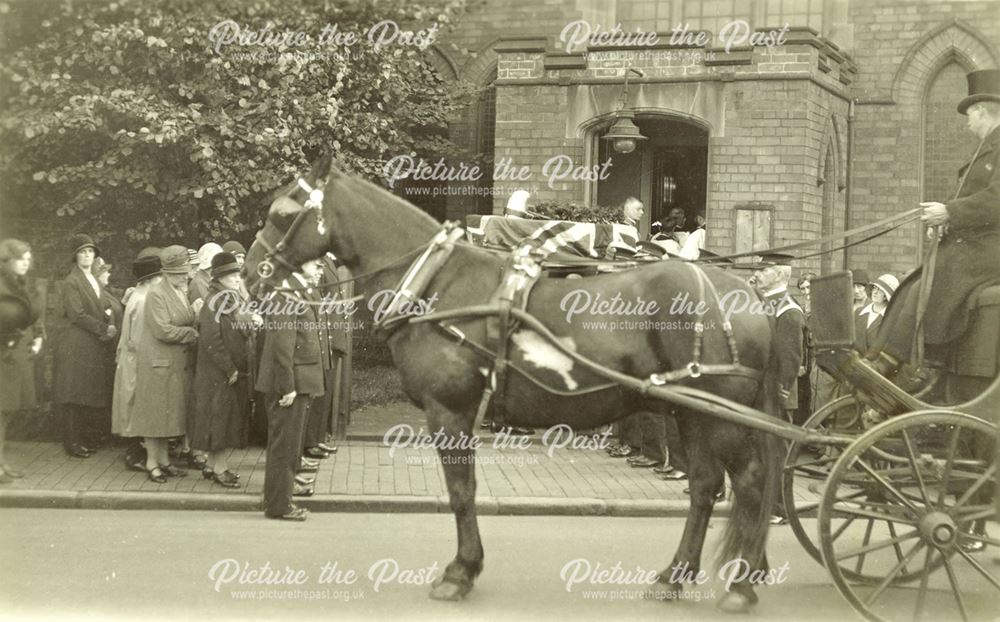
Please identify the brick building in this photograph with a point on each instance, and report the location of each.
(851, 120)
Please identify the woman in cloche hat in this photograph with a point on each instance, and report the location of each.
(146, 270)
(221, 384)
(81, 387)
(163, 382)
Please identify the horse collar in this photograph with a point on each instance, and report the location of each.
(418, 276)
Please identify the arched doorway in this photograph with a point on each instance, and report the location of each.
(668, 170)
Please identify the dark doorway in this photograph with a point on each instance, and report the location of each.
(668, 170)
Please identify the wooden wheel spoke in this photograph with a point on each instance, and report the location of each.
(892, 573)
(864, 544)
(954, 588)
(850, 497)
(979, 538)
(887, 486)
(912, 457)
(895, 545)
(893, 541)
(924, 577)
(983, 571)
(861, 513)
(976, 485)
(952, 446)
(892, 510)
(984, 512)
(842, 529)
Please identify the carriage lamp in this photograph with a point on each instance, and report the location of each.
(624, 135)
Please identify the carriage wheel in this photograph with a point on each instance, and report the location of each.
(928, 481)
(812, 463)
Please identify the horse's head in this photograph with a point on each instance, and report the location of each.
(294, 232)
(352, 218)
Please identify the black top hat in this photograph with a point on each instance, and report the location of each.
(81, 241)
(224, 263)
(984, 86)
(145, 267)
(775, 259)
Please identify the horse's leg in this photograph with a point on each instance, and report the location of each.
(460, 477)
(747, 473)
(705, 479)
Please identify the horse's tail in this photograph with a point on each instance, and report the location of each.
(746, 530)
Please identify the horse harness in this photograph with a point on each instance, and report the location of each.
(521, 272)
(265, 269)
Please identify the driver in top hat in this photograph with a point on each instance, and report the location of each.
(968, 254)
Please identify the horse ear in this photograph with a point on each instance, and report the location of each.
(320, 168)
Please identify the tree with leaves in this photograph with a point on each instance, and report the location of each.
(137, 117)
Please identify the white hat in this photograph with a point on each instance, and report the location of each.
(206, 253)
(517, 204)
(887, 283)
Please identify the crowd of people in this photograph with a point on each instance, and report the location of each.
(172, 363)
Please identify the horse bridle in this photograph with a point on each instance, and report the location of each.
(275, 252)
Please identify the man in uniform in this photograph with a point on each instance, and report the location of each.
(771, 279)
(291, 376)
(338, 322)
(314, 439)
(968, 254)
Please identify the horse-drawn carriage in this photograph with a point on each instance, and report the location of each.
(926, 476)
(905, 502)
(901, 501)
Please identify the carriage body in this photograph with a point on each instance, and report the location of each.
(908, 501)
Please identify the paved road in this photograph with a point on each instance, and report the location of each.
(156, 565)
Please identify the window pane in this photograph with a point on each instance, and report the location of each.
(644, 15)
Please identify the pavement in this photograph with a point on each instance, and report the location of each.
(367, 475)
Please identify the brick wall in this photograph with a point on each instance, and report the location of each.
(470, 47)
(904, 151)
(773, 115)
(900, 47)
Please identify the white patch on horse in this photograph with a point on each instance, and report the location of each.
(544, 355)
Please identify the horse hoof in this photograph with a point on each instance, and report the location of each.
(734, 602)
(448, 590)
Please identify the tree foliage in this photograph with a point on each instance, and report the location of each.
(123, 117)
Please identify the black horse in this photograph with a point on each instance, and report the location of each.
(375, 234)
